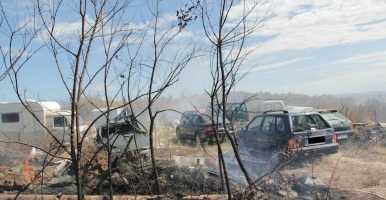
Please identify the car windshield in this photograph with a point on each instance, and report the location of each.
(306, 122)
(120, 128)
(235, 111)
(207, 120)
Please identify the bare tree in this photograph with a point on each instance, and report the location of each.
(159, 63)
(19, 47)
(227, 33)
(100, 23)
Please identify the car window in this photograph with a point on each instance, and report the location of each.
(186, 119)
(255, 124)
(280, 125)
(268, 125)
(302, 123)
(193, 119)
(306, 122)
(183, 119)
(198, 119)
(320, 123)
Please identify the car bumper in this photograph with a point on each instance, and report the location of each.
(325, 148)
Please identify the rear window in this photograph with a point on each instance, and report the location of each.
(320, 123)
(193, 119)
(302, 123)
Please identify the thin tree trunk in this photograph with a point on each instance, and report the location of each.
(224, 101)
(153, 161)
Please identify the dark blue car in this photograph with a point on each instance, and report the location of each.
(282, 130)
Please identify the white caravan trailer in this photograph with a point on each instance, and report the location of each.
(17, 124)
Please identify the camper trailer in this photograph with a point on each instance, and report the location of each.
(18, 124)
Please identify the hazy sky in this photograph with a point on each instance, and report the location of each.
(312, 47)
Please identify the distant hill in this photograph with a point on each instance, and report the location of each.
(361, 107)
(365, 96)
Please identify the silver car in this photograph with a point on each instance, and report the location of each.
(342, 126)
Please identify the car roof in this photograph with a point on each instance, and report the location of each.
(327, 111)
(286, 113)
(304, 113)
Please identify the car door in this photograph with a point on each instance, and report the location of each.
(282, 133)
(248, 137)
(259, 133)
(266, 139)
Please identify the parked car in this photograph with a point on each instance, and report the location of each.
(198, 127)
(237, 114)
(283, 130)
(375, 132)
(343, 127)
(125, 135)
(260, 106)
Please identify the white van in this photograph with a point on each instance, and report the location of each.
(17, 124)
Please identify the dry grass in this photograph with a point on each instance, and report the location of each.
(359, 168)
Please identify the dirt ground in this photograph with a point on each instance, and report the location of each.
(358, 166)
(355, 167)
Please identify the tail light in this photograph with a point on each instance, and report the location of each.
(334, 141)
(291, 144)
